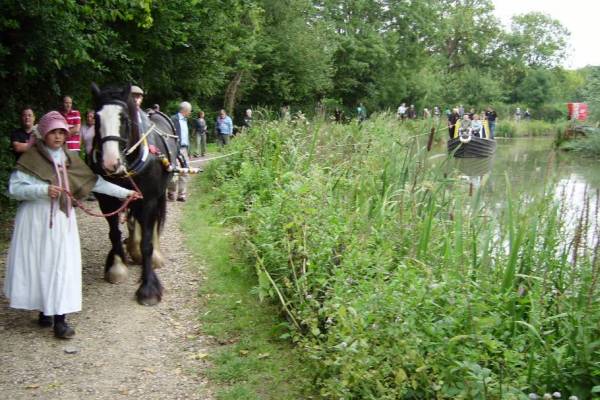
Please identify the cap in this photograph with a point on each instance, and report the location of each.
(52, 120)
(136, 90)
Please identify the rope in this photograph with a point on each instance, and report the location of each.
(110, 214)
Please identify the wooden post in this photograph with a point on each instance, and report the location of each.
(430, 141)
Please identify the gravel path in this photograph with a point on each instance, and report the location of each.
(122, 349)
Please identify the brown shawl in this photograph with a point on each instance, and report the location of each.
(38, 162)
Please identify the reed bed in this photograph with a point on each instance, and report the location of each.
(528, 128)
(399, 282)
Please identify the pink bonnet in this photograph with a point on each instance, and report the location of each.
(52, 120)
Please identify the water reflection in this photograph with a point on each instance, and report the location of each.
(530, 165)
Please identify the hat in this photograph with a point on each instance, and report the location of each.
(136, 90)
(52, 120)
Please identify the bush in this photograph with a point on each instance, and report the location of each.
(398, 285)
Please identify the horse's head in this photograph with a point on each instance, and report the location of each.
(115, 116)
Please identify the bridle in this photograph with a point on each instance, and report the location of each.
(123, 139)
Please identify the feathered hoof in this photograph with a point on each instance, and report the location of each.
(148, 297)
(117, 273)
(158, 260)
(152, 301)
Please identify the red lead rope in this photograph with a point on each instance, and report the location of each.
(110, 214)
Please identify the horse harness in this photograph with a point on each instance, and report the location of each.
(140, 161)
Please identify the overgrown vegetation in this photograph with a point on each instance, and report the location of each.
(511, 128)
(398, 284)
(252, 362)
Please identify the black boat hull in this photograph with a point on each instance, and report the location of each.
(476, 148)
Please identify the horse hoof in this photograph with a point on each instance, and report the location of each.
(152, 301)
(117, 273)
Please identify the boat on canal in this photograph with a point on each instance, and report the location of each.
(470, 143)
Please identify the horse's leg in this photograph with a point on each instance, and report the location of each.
(115, 269)
(158, 260)
(134, 240)
(150, 291)
(134, 244)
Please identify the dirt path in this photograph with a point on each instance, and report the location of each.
(122, 349)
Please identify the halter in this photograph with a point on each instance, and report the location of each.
(124, 150)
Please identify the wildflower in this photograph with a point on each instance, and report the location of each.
(533, 396)
(556, 395)
(343, 345)
(547, 396)
(573, 398)
(308, 296)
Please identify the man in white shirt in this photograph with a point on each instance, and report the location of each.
(401, 114)
(178, 186)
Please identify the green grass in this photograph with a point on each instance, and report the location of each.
(252, 362)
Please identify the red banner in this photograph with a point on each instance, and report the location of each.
(577, 111)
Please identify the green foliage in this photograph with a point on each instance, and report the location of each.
(252, 361)
(508, 128)
(396, 283)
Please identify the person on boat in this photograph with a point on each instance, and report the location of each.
(491, 116)
(477, 125)
(465, 123)
(453, 117)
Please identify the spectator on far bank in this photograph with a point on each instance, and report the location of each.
(338, 115)
(401, 113)
(527, 114)
(412, 112)
(74, 121)
(22, 139)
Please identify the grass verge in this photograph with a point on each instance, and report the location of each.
(252, 361)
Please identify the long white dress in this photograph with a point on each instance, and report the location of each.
(43, 268)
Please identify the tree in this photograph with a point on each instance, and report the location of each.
(537, 40)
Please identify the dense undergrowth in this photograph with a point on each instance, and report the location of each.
(588, 145)
(511, 128)
(396, 282)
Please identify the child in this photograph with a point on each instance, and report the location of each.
(43, 268)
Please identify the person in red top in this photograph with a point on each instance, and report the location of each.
(74, 121)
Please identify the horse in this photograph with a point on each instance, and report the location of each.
(137, 152)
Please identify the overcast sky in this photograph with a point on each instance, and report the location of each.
(580, 17)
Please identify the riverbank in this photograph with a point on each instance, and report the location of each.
(396, 281)
(254, 358)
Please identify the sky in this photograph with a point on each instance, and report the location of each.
(580, 17)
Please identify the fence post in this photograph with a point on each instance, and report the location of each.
(430, 141)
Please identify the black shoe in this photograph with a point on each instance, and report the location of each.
(45, 321)
(181, 198)
(62, 330)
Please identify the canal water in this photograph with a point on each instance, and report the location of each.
(530, 164)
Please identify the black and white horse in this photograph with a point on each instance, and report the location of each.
(137, 156)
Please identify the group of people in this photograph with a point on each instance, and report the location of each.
(43, 266)
(52, 171)
(472, 120)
